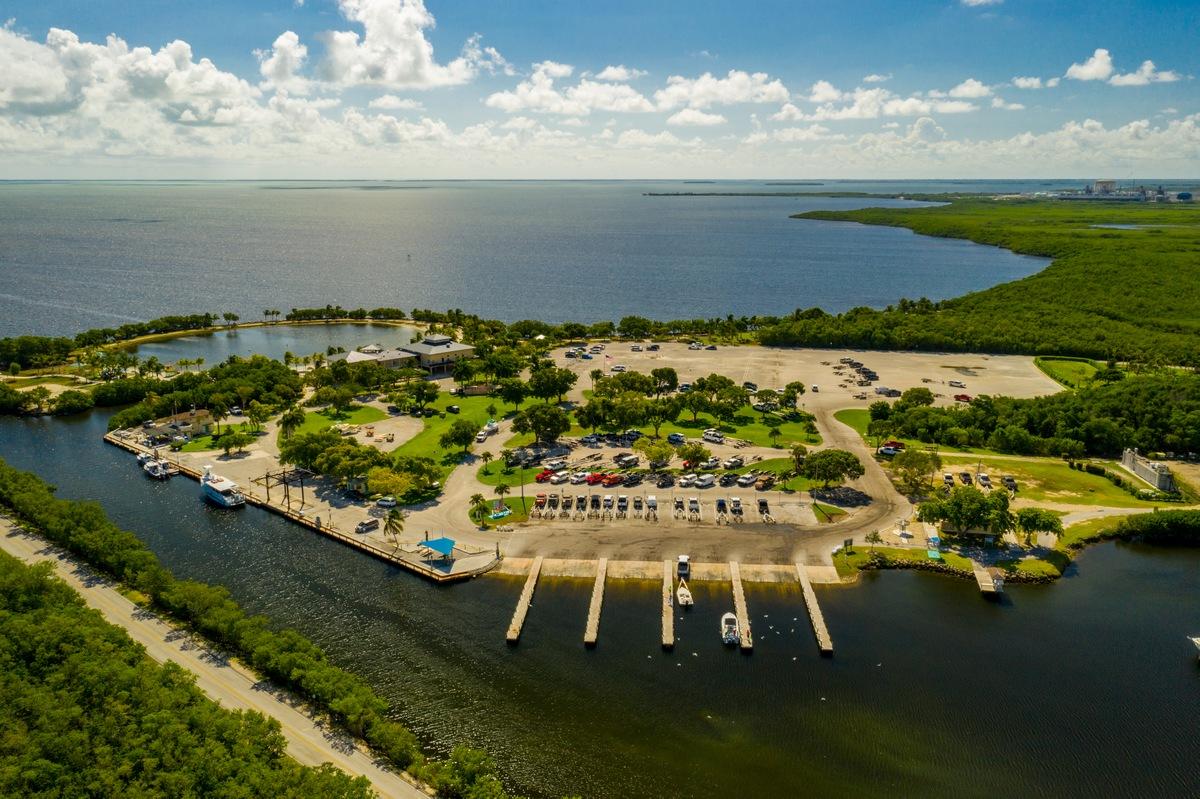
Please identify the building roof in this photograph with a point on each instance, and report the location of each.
(436, 345)
(443, 546)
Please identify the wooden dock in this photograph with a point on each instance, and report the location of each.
(668, 607)
(739, 607)
(824, 642)
(593, 621)
(518, 619)
(989, 583)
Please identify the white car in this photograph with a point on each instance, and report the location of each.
(386, 502)
(481, 437)
(747, 480)
(687, 480)
(558, 478)
(957, 384)
(579, 478)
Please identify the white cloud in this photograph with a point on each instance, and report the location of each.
(824, 92)
(925, 130)
(393, 50)
(538, 93)
(874, 103)
(693, 116)
(1001, 103)
(519, 123)
(970, 89)
(809, 134)
(620, 73)
(640, 138)
(1145, 75)
(707, 90)
(279, 65)
(875, 77)
(1028, 83)
(979, 3)
(788, 113)
(1098, 67)
(390, 102)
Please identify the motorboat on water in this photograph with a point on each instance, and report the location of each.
(221, 491)
(683, 595)
(1195, 639)
(158, 469)
(145, 457)
(729, 629)
(684, 567)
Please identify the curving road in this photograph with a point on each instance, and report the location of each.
(309, 740)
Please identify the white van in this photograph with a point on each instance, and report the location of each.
(706, 481)
(687, 480)
(714, 436)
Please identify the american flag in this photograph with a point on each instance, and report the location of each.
(608, 357)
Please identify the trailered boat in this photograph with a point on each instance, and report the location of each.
(683, 595)
(221, 491)
(729, 629)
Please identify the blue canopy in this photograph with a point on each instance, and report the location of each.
(442, 546)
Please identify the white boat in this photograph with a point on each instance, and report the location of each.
(1195, 639)
(144, 457)
(683, 595)
(729, 629)
(158, 469)
(221, 491)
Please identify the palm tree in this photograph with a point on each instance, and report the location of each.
(478, 505)
(393, 525)
(291, 421)
(501, 489)
(874, 538)
(486, 457)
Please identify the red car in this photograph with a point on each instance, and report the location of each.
(611, 480)
(544, 475)
(594, 478)
(962, 397)
(894, 444)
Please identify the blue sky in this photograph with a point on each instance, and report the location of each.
(400, 88)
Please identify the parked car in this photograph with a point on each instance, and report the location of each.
(481, 437)
(559, 477)
(751, 387)
(734, 462)
(652, 348)
(587, 356)
(706, 481)
(453, 409)
(764, 482)
(591, 439)
(665, 481)
(685, 388)
(393, 410)
(748, 479)
(711, 463)
(687, 481)
(711, 347)
(957, 384)
(636, 348)
(965, 477)
(888, 451)
(1009, 482)
(556, 464)
(595, 478)
(728, 480)
(579, 478)
(544, 476)
(613, 479)
(633, 480)
(962, 397)
(386, 502)
(676, 439)
(366, 526)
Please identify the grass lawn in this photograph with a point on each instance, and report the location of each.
(847, 563)
(358, 414)
(496, 473)
(520, 513)
(747, 425)
(780, 466)
(474, 409)
(1051, 481)
(1085, 532)
(31, 382)
(207, 443)
(827, 513)
(859, 418)
(1070, 372)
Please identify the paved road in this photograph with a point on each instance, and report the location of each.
(309, 741)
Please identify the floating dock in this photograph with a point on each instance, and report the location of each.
(518, 619)
(740, 609)
(824, 642)
(668, 610)
(593, 621)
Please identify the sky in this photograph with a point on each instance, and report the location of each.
(427, 89)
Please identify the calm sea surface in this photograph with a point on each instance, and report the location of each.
(81, 255)
(1080, 689)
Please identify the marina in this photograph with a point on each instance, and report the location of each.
(592, 630)
(668, 611)
(744, 636)
(824, 642)
(525, 600)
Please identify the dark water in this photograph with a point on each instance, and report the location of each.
(273, 341)
(1083, 688)
(81, 255)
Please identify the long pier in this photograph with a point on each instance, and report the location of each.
(361, 544)
(593, 621)
(988, 584)
(518, 619)
(739, 607)
(824, 642)
(668, 609)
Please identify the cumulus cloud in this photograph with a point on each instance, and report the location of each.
(864, 103)
(620, 73)
(793, 135)
(1146, 74)
(969, 89)
(875, 77)
(824, 92)
(1004, 105)
(1034, 83)
(281, 64)
(693, 116)
(707, 90)
(1098, 67)
(636, 138)
(538, 94)
(393, 49)
(390, 102)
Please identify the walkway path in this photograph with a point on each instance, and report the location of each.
(309, 740)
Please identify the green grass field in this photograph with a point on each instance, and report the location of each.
(425, 444)
(859, 418)
(208, 443)
(1046, 480)
(848, 563)
(496, 473)
(1069, 372)
(827, 513)
(358, 414)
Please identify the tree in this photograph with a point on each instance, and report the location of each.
(546, 422)
(463, 371)
(257, 414)
(594, 414)
(693, 452)
(549, 382)
(874, 538)
(478, 506)
(230, 318)
(513, 391)
(393, 525)
(38, 397)
(696, 402)
(501, 489)
(291, 421)
(666, 380)
(486, 457)
(236, 440)
(832, 466)
(798, 453)
(1037, 520)
(774, 435)
(219, 410)
(459, 434)
(422, 392)
(767, 400)
(384, 480)
(916, 397)
(968, 508)
(913, 469)
(658, 412)
(655, 450)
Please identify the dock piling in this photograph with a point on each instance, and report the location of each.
(593, 621)
(518, 619)
(824, 643)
